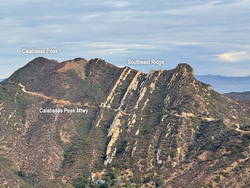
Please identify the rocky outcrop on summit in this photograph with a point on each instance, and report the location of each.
(161, 129)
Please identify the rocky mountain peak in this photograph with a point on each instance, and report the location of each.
(185, 69)
(79, 59)
(41, 60)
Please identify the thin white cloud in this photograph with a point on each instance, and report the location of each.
(119, 4)
(234, 56)
(211, 7)
(120, 45)
(111, 3)
(104, 52)
(16, 2)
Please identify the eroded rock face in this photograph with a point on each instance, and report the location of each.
(77, 65)
(161, 129)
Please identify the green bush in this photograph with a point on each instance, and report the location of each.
(22, 174)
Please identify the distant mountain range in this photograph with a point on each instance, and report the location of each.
(226, 84)
(243, 96)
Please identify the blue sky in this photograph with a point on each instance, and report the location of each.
(212, 36)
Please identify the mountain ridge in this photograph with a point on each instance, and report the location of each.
(161, 129)
(242, 96)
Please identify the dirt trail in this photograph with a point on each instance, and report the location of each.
(241, 131)
(54, 100)
(66, 102)
(33, 93)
